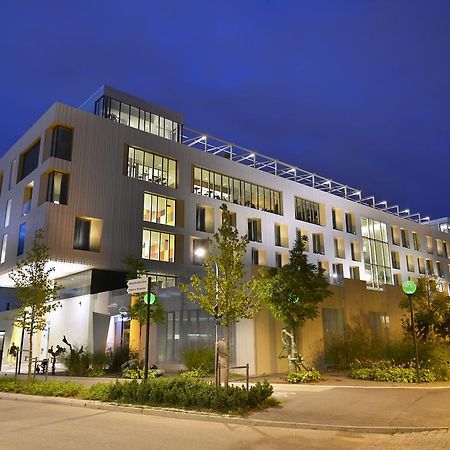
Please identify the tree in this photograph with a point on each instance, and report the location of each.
(293, 293)
(138, 310)
(223, 291)
(36, 292)
(431, 310)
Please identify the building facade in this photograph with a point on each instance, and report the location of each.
(120, 176)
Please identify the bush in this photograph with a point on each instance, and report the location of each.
(387, 371)
(49, 388)
(201, 359)
(194, 373)
(189, 393)
(304, 376)
(86, 364)
(359, 344)
(137, 373)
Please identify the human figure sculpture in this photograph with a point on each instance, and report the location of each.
(295, 360)
(55, 354)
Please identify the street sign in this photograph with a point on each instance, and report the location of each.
(409, 287)
(137, 286)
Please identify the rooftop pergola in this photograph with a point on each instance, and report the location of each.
(250, 158)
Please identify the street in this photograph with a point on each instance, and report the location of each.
(30, 425)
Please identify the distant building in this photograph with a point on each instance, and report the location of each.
(121, 176)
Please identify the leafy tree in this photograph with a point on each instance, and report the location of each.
(36, 292)
(138, 310)
(293, 292)
(223, 291)
(431, 310)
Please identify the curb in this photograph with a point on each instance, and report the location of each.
(210, 417)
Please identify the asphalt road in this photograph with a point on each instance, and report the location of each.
(363, 406)
(29, 425)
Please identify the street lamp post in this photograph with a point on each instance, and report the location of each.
(409, 287)
(200, 253)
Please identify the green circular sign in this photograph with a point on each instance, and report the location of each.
(409, 287)
(152, 298)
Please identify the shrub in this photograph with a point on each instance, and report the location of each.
(49, 388)
(194, 373)
(137, 373)
(77, 364)
(201, 359)
(177, 392)
(388, 371)
(304, 376)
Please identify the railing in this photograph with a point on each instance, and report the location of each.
(250, 158)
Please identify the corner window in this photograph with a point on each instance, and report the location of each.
(28, 161)
(57, 188)
(88, 233)
(62, 143)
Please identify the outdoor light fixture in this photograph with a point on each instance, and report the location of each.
(200, 252)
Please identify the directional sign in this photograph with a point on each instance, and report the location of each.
(137, 286)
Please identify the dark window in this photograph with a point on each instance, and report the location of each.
(200, 219)
(28, 161)
(254, 230)
(350, 223)
(278, 260)
(57, 188)
(22, 234)
(82, 234)
(277, 235)
(62, 143)
(405, 238)
(255, 256)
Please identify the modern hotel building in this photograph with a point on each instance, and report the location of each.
(121, 176)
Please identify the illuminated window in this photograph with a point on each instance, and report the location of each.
(158, 246)
(318, 245)
(159, 209)
(222, 187)
(254, 230)
(377, 262)
(137, 118)
(151, 167)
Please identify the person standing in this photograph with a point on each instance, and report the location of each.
(12, 354)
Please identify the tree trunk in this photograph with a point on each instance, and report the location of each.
(227, 355)
(30, 354)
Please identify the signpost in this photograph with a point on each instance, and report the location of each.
(409, 287)
(139, 286)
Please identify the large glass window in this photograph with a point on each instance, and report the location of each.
(228, 189)
(62, 143)
(57, 188)
(307, 211)
(151, 167)
(137, 118)
(22, 235)
(159, 209)
(376, 253)
(28, 161)
(158, 246)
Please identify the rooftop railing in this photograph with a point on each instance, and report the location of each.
(209, 144)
